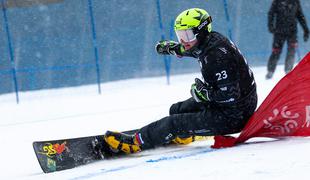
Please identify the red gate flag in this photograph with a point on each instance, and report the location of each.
(285, 111)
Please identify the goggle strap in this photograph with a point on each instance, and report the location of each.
(205, 23)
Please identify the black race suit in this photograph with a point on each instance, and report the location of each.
(282, 22)
(233, 98)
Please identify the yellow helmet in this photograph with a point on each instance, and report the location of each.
(196, 20)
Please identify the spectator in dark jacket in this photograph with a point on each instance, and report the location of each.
(282, 23)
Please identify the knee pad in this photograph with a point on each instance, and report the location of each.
(293, 45)
(276, 50)
(174, 109)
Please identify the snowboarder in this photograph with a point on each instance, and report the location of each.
(221, 103)
(282, 23)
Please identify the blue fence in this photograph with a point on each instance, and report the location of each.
(60, 43)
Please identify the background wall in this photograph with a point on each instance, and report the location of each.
(59, 43)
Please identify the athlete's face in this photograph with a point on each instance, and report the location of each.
(187, 38)
(188, 45)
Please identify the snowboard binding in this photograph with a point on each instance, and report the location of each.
(97, 145)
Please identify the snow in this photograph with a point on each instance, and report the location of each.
(129, 104)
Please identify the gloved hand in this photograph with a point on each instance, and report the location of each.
(306, 35)
(166, 47)
(199, 91)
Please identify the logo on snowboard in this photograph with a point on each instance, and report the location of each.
(51, 150)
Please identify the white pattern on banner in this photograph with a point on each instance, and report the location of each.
(287, 126)
(307, 122)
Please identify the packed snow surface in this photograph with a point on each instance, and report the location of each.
(130, 104)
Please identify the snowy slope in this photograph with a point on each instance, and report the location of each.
(123, 105)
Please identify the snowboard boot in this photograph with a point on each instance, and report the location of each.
(97, 145)
(183, 140)
(122, 142)
(269, 75)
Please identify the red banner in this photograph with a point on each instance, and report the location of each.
(285, 111)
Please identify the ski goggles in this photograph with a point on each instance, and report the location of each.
(185, 35)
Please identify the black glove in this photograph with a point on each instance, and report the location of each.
(306, 35)
(199, 91)
(166, 47)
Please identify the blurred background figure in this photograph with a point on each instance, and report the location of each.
(282, 23)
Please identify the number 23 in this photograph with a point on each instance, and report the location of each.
(222, 75)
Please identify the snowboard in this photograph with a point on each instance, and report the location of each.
(58, 155)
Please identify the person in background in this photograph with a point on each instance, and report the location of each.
(282, 23)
